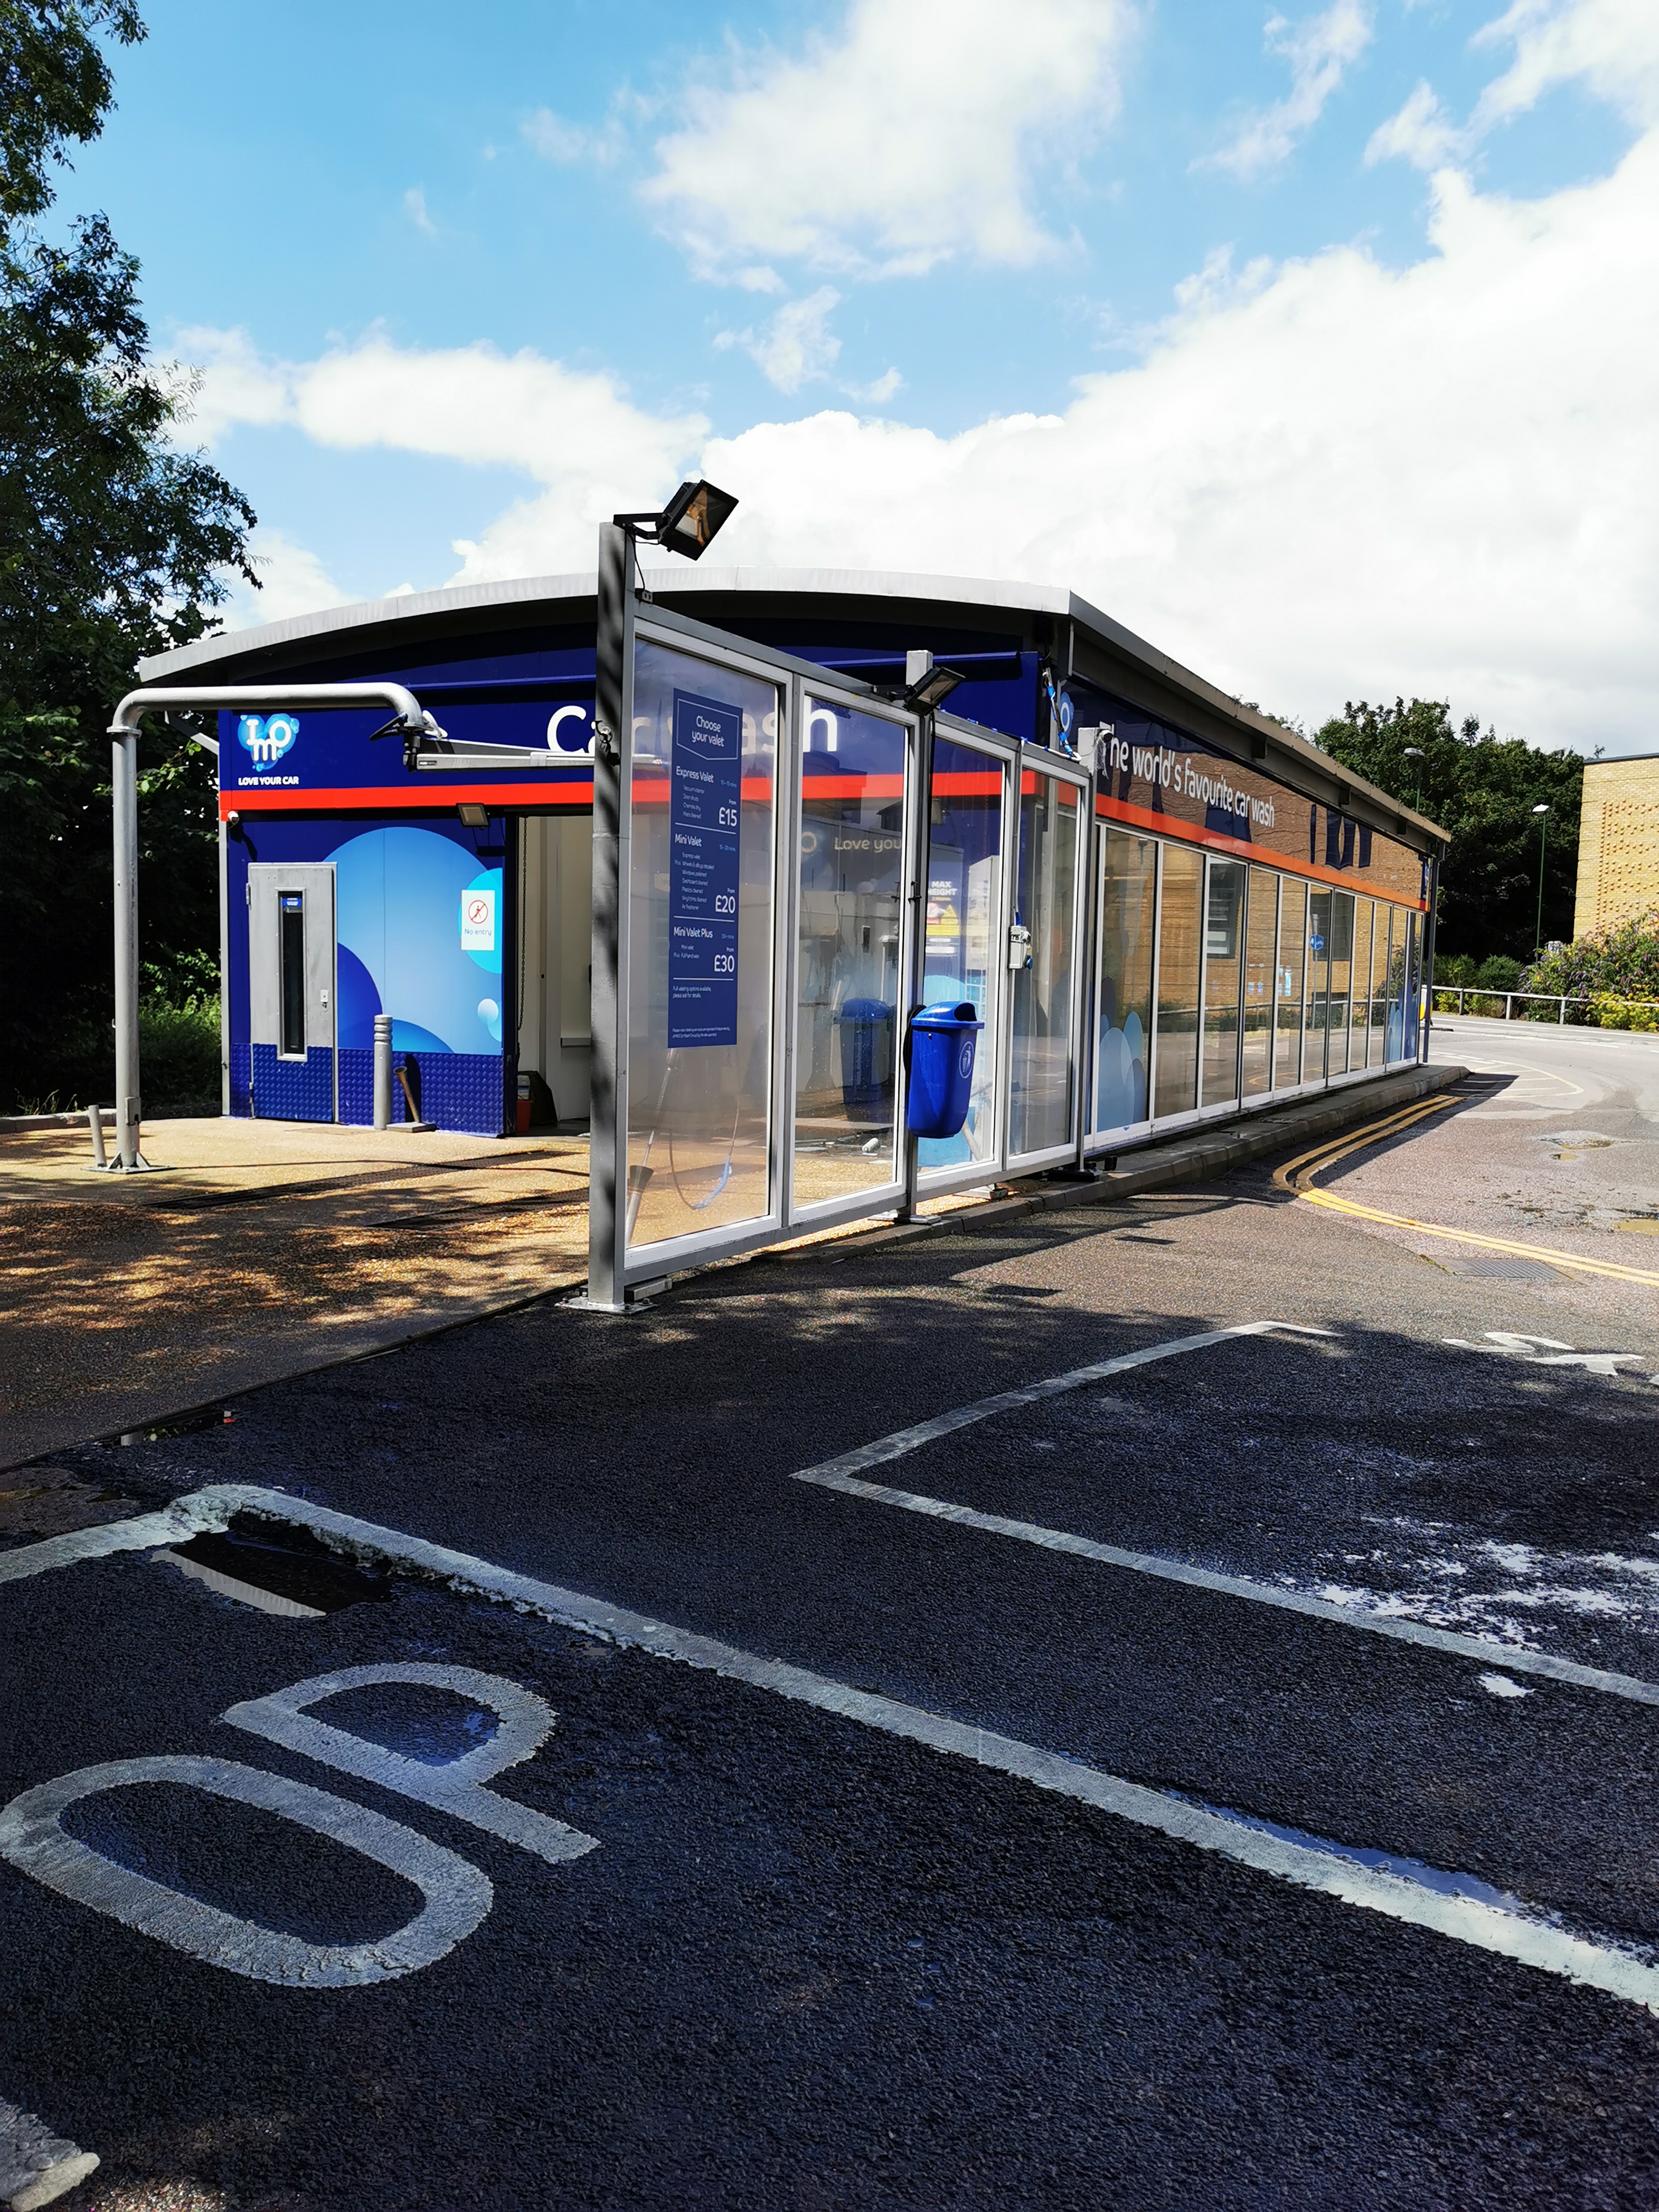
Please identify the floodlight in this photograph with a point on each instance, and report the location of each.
(688, 522)
(927, 696)
(693, 516)
(474, 818)
(1540, 809)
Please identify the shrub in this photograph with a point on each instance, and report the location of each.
(1622, 963)
(1499, 973)
(1610, 1014)
(1458, 969)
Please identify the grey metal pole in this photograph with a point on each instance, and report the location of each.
(383, 1071)
(123, 784)
(918, 882)
(607, 1127)
(1430, 932)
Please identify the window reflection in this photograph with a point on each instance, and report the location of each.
(1223, 923)
(1287, 1011)
(964, 908)
(1176, 1063)
(1040, 1071)
(1128, 887)
(847, 1016)
(1261, 929)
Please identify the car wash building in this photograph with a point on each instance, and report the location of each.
(1162, 908)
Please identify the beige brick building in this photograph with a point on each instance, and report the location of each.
(1618, 843)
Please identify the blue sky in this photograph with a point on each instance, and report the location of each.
(1146, 298)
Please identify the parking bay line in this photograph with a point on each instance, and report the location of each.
(842, 1473)
(1516, 1935)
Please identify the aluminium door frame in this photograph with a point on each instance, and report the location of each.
(1044, 762)
(938, 1182)
(880, 1198)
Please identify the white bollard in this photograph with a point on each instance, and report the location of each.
(382, 1071)
(95, 1121)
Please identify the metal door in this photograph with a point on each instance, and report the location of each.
(291, 990)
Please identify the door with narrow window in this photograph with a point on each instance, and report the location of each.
(291, 990)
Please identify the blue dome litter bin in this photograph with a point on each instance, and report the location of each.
(867, 1068)
(940, 1047)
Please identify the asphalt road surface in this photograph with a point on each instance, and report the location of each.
(1224, 1779)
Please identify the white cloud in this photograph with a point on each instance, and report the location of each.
(880, 392)
(555, 140)
(1421, 133)
(1329, 479)
(912, 134)
(415, 209)
(1318, 49)
(797, 346)
(1611, 45)
(292, 581)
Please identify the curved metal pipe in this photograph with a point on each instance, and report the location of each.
(404, 705)
(408, 719)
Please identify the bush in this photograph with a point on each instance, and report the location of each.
(178, 1064)
(1622, 963)
(1458, 969)
(1610, 1014)
(1498, 973)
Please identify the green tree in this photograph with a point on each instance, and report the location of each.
(114, 543)
(1481, 789)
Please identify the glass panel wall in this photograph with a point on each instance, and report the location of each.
(1261, 935)
(847, 1013)
(1175, 1066)
(1224, 975)
(1319, 969)
(1414, 982)
(1375, 1019)
(700, 981)
(1287, 1012)
(1123, 970)
(1340, 985)
(964, 956)
(1396, 986)
(1359, 998)
(1042, 1051)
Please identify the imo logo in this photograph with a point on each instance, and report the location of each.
(267, 737)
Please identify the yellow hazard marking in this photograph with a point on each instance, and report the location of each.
(1297, 1177)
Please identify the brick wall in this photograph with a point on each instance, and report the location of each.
(1618, 843)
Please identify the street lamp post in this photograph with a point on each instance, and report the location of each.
(685, 525)
(1415, 753)
(1542, 812)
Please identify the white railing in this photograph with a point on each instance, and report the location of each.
(1562, 1000)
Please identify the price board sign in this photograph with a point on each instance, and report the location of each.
(705, 797)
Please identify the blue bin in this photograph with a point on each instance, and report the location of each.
(940, 1047)
(866, 1070)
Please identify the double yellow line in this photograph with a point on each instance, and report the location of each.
(1297, 1176)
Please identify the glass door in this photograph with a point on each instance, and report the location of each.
(965, 942)
(851, 979)
(1042, 1046)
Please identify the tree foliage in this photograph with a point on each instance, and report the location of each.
(114, 543)
(1482, 790)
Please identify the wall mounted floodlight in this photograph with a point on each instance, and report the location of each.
(473, 817)
(929, 692)
(689, 523)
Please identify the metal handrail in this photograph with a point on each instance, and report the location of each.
(1564, 1000)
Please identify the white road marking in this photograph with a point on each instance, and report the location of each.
(1241, 1586)
(1549, 1351)
(457, 1896)
(1033, 1394)
(525, 1721)
(36, 2167)
(1529, 1941)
